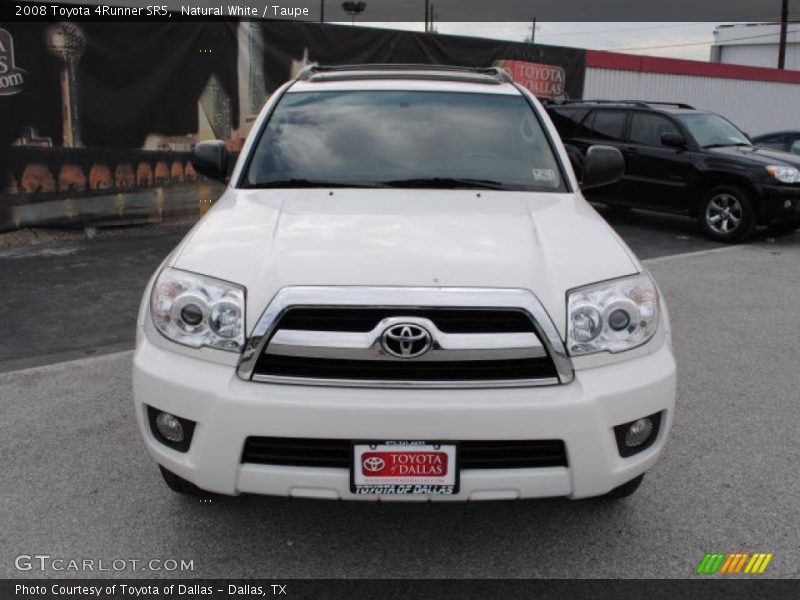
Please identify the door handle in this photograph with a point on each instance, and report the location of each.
(632, 151)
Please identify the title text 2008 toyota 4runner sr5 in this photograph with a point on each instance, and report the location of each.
(403, 293)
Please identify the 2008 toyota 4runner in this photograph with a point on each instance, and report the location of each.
(403, 293)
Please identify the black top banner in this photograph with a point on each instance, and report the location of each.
(403, 10)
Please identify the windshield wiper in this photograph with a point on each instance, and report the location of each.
(727, 145)
(447, 182)
(310, 183)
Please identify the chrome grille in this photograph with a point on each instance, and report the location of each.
(461, 338)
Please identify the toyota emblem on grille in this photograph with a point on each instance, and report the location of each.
(406, 340)
(373, 464)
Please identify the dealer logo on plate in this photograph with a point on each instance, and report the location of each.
(373, 464)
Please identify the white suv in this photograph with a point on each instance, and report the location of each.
(402, 294)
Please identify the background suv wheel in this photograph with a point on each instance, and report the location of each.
(726, 214)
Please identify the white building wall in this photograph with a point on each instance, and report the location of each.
(755, 106)
(760, 55)
(755, 44)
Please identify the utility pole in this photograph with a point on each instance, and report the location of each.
(427, 14)
(321, 11)
(432, 28)
(533, 31)
(784, 22)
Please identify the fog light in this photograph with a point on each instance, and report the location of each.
(636, 436)
(171, 430)
(638, 433)
(170, 427)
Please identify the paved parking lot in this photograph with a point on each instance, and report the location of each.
(77, 482)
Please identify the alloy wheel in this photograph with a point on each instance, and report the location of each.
(724, 213)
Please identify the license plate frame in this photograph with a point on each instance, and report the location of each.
(451, 481)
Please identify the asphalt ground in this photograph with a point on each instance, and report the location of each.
(77, 482)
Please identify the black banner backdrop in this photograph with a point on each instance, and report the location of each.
(99, 119)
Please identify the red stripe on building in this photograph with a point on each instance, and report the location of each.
(598, 59)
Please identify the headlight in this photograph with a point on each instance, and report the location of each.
(612, 316)
(198, 311)
(784, 174)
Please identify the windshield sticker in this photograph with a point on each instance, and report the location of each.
(544, 174)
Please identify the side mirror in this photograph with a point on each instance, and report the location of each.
(795, 149)
(602, 165)
(211, 159)
(673, 140)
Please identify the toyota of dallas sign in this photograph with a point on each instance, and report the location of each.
(12, 79)
(543, 81)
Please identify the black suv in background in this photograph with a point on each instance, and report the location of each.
(682, 160)
(779, 140)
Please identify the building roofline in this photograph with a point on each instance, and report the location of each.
(598, 59)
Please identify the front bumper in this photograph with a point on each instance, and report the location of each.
(773, 207)
(228, 409)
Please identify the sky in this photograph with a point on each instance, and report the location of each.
(687, 40)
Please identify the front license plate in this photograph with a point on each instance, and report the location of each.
(404, 467)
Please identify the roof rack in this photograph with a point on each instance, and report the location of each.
(642, 103)
(494, 75)
(663, 103)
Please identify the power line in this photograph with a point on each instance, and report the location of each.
(623, 29)
(749, 37)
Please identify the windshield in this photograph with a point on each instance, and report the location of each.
(712, 130)
(404, 139)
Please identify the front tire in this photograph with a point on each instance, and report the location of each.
(727, 215)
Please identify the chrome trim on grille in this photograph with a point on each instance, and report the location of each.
(405, 383)
(367, 346)
(399, 299)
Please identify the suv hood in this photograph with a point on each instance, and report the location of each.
(269, 239)
(758, 155)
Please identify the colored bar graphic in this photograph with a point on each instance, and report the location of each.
(764, 564)
(729, 562)
(734, 563)
(703, 564)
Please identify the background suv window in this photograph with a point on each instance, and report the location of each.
(609, 125)
(646, 128)
(776, 142)
(567, 120)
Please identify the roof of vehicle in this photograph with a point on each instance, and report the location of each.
(405, 77)
(654, 105)
(782, 132)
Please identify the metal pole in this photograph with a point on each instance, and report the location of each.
(782, 45)
(533, 31)
(321, 11)
(427, 11)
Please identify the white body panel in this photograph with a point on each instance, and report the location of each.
(228, 410)
(268, 240)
